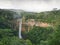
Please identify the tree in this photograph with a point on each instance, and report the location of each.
(10, 37)
(56, 37)
(14, 41)
(38, 34)
(5, 18)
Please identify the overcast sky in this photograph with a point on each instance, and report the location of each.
(30, 5)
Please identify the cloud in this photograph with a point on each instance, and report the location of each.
(30, 5)
(5, 4)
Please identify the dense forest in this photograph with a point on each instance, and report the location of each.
(37, 35)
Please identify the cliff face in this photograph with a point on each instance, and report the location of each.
(26, 26)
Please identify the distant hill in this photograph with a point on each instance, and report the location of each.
(47, 16)
(6, 15)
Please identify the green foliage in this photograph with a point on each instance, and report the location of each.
(5, 41)
(17, 41)
(10, 37)
(56, 37)
(38, 34)
(14, 41)
(28, 42)
(47, 16)
(7, 33)
(5, 18)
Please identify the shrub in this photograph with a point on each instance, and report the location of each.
(38, 34)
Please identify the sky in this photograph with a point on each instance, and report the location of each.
(30, 5)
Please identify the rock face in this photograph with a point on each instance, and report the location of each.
(28, 25)
(32, 22)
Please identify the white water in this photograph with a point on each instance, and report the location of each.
(19, 19)
(20, 27)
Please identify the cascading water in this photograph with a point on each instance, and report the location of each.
(18, 17)
(20, 27)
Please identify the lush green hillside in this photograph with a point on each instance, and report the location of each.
(36, 35)
(52, 17)
(6, 16)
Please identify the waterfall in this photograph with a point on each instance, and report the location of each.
(18, 17)
(20, 27)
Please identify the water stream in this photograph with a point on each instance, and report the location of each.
(18, 17)
(20, 27)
